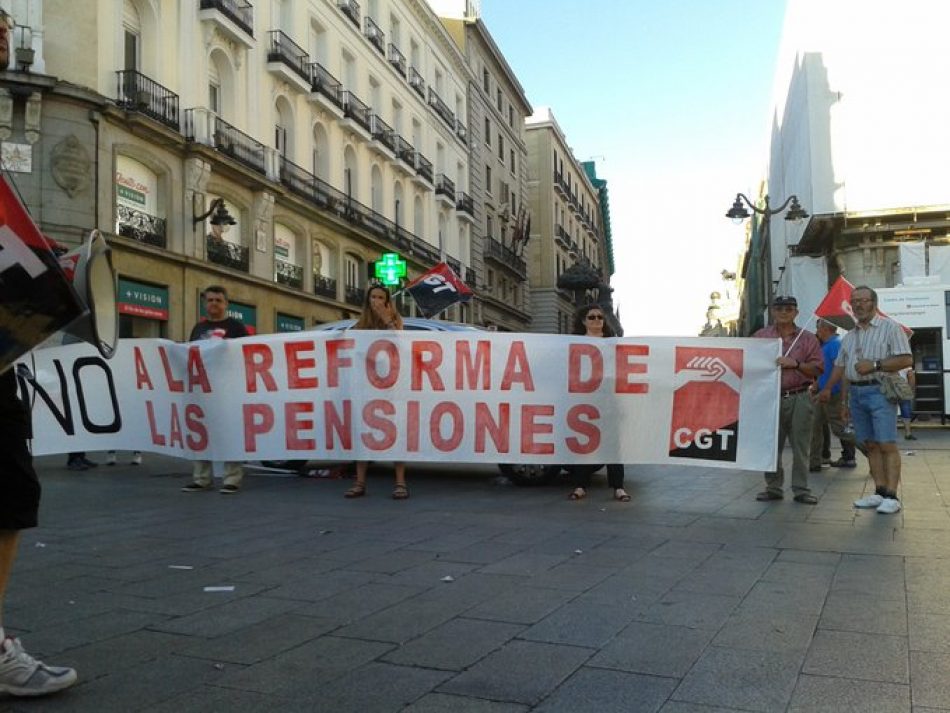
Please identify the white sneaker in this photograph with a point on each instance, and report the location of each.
(889, 506)
(22, 675)
(137, 458)
(110, 459)
(869, 501)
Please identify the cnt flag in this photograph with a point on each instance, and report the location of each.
(437, 290)
(36, 299)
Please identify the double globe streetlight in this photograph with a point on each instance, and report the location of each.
(738, 212)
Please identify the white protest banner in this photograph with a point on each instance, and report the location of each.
(441, 396)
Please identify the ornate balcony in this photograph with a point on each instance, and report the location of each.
(287, 59)
(423, 170)
(375, 35)
(234, 18)
(417, 82)
(397, 59)
(441, 108)
(505, 256)
(561, 237)
(238, 145)
(560, 185)
(286, 273)
(138, 93)
(406, 155)
(465, 205)
(221, 252)
(325, 286)
(356, 111)
(351, 9)
(354, 295)
(325, 89)
(140, 226)
(383, 136)
(445, 189)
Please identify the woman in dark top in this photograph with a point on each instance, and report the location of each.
(589, 320)
(378, 313)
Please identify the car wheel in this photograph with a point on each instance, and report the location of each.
(529, 473)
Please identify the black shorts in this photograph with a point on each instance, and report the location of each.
(19, 486)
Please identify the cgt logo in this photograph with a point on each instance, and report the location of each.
(705, 421)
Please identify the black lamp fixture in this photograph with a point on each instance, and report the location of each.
(738, 212)
(220, 217)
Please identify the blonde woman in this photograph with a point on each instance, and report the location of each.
(378, 313)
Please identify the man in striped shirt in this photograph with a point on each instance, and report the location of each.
(875, 345)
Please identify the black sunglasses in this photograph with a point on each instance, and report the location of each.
(595, 316)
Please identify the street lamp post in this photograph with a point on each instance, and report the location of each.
(795, 214)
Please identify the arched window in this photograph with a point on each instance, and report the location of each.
(287, 270)
(418, 217)
(284, 128)
(376, 189)
(399, 205)
(351, 179)
(131, 37)
(139, 212)
(221, 84)
(321, 152)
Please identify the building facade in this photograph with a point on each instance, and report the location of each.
(569, 225)
(329, 133)
(498, 108)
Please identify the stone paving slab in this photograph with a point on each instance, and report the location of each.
(693, 598)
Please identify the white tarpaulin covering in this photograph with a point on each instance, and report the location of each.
(913, 262)
(807, 280)
(940, 262)
(462, 397)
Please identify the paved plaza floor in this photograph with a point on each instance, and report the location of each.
(474, 596)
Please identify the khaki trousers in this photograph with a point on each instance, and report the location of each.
(203, 475)
(794, 424)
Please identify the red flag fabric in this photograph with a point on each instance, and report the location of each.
(437, 290)
(836, 306)
(36, 299)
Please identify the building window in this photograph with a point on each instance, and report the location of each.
(486, 81)
(488, 179)
(214, 97)
(501, 148)
(511, 161)
(487, 131)
(511, 116)
(498, 99)
(352, 272)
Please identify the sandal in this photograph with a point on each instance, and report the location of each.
(400, 492)
(357, 490)
(621, 495)
(578, 494)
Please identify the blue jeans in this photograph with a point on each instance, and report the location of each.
(872, 415)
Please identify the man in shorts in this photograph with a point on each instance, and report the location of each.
(20, 673)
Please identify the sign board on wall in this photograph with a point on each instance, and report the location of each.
(140, 300)
(289, 323)
(135, 185)
(915, 307)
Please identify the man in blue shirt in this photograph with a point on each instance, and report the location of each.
(830, 412)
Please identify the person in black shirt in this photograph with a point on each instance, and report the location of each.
(217, 326)
(20, 673)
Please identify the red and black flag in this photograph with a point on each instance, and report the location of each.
(36, 298)
(437, 290)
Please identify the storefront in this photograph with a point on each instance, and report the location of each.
(143, 309)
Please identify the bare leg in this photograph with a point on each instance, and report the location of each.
(892, 465)
(361, 468)
(876, 461)
(400, 473)
(8, 546)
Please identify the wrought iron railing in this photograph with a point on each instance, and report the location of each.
(471, 277)
(354, 295)
(405, 151)
(221, 252)
(325, 286)
(505, 256)
(351, 9)
(397, 59)
(238, 145)
(382, 132)
(140, 226)
(325, 83)
(325, 197)
(445, 186)
(441, 108)
(423, 167)
(375, 35)
(561, 236)
(240, 13)
(286, 273)
(285, 50)
(417, 82)
(354, 108)
(465, 203)
(139, 93)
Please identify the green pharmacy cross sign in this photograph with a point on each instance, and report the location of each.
(390, 269)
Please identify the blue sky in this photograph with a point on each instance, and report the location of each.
(672, 99)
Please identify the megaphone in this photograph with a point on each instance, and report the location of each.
(89, 268)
